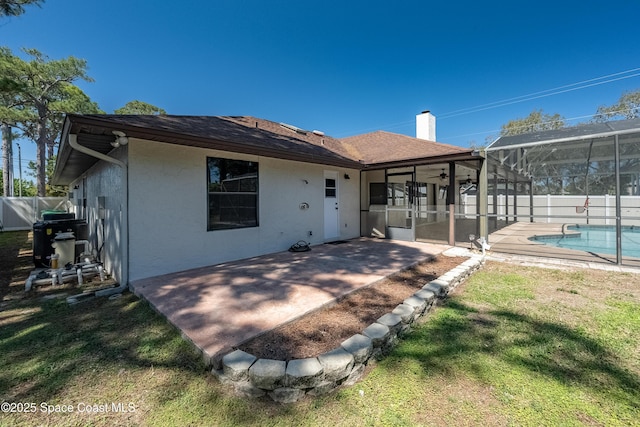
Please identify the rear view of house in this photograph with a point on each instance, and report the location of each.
(168, 193)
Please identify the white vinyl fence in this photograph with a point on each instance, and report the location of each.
(600, 209)
(19, 213)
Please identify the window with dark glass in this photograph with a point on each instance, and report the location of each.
(232, 193)
(377, 193)
(330, 187)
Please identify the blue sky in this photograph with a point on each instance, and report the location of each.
(343, 67)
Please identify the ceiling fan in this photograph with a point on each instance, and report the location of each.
(442, 175)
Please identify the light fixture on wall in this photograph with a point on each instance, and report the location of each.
(121, 139)
(346, 176)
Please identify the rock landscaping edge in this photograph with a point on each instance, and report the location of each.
(287, 382)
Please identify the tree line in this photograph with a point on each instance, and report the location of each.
(587, 169)
(627, 107)
(35, 94)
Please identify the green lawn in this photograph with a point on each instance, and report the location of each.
(512, 346)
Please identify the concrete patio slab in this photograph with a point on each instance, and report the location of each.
(219, 307)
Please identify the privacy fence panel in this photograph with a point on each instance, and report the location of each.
(19, 213)
(595, 210)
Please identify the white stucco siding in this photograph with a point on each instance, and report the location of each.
(103, 183)
(168, 209)
(282, 222)
(286, 189)
(349, 203)
(166, 216)
(372, 217)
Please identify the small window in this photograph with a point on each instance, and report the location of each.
(377, 193)
(330, 187)
(232, 193)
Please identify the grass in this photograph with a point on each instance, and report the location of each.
(530, 347)
(15, 262)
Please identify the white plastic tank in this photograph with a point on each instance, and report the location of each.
(65, 247)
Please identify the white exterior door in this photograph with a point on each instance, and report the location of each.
(331, 230)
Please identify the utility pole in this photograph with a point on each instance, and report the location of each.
(19, 170)
(7, 161)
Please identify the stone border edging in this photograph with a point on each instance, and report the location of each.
(287, 382)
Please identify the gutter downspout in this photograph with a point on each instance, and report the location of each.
(124, 228)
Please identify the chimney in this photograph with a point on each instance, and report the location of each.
(426, 126)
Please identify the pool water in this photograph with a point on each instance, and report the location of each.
(598, 239)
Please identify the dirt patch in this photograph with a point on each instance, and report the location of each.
(324, 329)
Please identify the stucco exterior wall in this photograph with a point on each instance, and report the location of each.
(168, 209)
(99, 198)
(372, 217)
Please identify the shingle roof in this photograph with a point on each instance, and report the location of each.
(213, 131)
(247, 135)
(241, 134)
(386, 147)
(315, 138)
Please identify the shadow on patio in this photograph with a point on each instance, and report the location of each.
(220, 306)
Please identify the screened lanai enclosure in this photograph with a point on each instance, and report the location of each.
(571, 193)
(432, 202)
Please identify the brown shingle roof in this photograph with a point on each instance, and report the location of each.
(315, 138)
(242, 134)
(386, 147)
(247, 135)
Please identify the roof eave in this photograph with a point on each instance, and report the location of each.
(75, 123)
(63, 154)
(450, 157)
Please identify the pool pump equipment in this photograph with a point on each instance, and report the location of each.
(63, 265)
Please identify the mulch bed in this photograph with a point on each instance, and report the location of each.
(323, 330)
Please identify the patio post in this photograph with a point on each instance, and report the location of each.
(495, 198)
(616, 144)
(506, 196)
(451, 201)
(515, 195)
(531, 200)
(482, 197)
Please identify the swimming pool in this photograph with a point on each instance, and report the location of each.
(598, 239)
